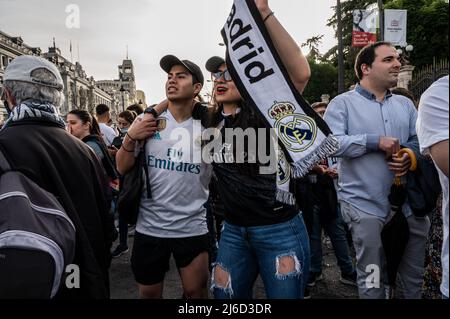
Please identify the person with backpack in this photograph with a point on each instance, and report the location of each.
(172, 216)
(35, 144)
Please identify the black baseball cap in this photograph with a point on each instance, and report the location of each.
(169, 61)
(214, 63)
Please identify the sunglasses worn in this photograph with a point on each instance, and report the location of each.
(225, 74)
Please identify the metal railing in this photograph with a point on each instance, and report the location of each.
(424, 77)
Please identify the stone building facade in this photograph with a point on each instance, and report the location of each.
(81, 91)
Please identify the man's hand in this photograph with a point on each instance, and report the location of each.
(389, 145)
(321, 169)
(162, 107)
(400, 165)
(332, 172)
(143, 128)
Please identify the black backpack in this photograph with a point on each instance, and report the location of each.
(131, 186)
(423, 186)
(37, 238)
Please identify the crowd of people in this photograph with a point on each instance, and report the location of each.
(222, 220)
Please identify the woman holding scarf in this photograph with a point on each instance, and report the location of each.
(261, 235)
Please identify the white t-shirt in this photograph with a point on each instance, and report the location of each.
(108, 133)
(432, 127)
(179, 181)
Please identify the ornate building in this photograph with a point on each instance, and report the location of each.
(80, 90)
(115, 89)
(11, 47)
(140, 96)
(123, 88)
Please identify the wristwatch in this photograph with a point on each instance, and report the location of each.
(152, 111)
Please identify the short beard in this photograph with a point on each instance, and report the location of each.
(393, 84)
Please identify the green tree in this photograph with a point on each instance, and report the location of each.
(313, 45)
(323, 73)
(350, 53)
(427, 28)
(427, 31)
(324, 77)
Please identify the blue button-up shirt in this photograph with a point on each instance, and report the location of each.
(358, 120)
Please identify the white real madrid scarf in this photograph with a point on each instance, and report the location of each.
(264, 83)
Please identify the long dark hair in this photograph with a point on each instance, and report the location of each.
(247, 117)
(86, 117)
(129, 116)
(96, 135)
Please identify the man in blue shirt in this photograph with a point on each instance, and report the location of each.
(371, 125)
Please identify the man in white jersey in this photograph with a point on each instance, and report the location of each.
(173, 220)
(432, 131)
(103, 114)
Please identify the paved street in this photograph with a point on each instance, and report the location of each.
(124, 287)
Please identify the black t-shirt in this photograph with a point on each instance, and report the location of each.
(248, 199)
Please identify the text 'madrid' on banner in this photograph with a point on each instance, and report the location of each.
(264, 83)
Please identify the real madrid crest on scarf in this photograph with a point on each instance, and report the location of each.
(304, 139)
(297, 131)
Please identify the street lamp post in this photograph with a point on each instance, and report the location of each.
(405, 53)
(341, 71)
(123, 98)
(406, 70)
(381, 16)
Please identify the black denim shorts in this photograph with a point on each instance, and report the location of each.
(151, 255)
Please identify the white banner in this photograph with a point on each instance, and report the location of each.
(395, 22)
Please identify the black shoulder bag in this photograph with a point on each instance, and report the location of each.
(131, 186)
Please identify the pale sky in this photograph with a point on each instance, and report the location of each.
(189, 29)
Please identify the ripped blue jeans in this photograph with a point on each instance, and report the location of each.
(279, 253)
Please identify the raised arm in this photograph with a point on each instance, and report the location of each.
(290, 53)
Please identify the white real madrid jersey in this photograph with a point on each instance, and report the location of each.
(178, 179)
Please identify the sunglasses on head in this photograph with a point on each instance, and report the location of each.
(225, 74)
